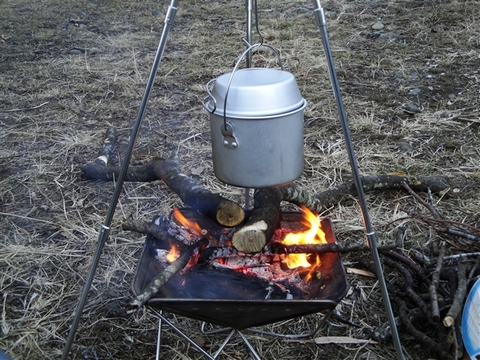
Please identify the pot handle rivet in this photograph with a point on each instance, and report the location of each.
(229, 140)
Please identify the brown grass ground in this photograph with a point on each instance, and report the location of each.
(69, 69)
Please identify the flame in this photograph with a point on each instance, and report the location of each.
(172, 255)
(185, 222)
(313, 235)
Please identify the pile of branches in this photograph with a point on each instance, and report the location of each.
(430, 287)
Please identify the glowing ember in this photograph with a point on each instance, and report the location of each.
(172, 255)
(185, 222)
(314, 235)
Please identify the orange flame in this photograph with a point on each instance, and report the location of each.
(313, 235)
(185, 222)
(172, 255)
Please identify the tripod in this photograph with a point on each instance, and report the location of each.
(369, 232)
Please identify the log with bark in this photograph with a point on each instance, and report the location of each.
(224, 211)
(262, 222)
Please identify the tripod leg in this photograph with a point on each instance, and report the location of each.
(370, 234)
(105, 230)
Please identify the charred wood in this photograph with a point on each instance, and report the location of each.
(163, 277)
(342, 247)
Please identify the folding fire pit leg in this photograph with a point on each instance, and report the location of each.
(295, 336)
(179, 332)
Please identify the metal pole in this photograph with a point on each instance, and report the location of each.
(249, 6)
(105, 230)
(369, 232)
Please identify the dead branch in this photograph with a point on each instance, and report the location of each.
(158, 232)
(163, 277)
(109, 143)
(460, 294)
(430, 207)
(434, 285)
(225, 212)
(343, 247)
(95, 171)
(418, 335)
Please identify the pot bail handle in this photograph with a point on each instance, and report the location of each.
(210, 97)
(250, 48)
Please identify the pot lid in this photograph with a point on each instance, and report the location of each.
(256, 92)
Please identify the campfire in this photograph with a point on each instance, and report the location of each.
(282, 270)
(215, 272)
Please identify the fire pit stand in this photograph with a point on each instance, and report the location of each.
(235, 301)
(230, 333)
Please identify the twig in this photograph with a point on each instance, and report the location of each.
(462, 255)
(399, 238)
(474, 270)
(434, 285)
(456, 307)
(460, 233)
(109, 143)
(32, 108)
(434, 211)
(418, 335)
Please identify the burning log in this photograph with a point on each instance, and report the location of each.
(261, 223)
(163, 277)
(151, 228)
(343, 247)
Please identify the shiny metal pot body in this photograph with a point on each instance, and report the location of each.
(256, 126)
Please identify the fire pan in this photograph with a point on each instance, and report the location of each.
(218, 296)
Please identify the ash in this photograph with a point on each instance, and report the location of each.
(265, 265)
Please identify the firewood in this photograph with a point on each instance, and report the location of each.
(109, 143)
(341, 247)
(418, 335)
(331, 197)
(434, 285)
(163, 277)
(225, 212)
(261, 223)
(459, 297)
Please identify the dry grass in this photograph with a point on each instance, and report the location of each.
(70, 69)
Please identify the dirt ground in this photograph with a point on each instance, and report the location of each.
(409, 72)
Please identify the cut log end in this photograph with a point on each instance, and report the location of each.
(230, 214)
(250, 239)
(448, 321)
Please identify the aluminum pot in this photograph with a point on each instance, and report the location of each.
(256, 123)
